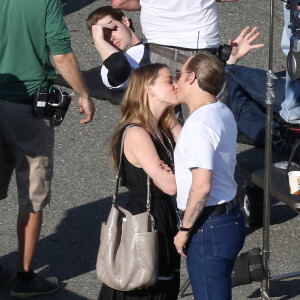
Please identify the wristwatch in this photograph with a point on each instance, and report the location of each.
(181, 228)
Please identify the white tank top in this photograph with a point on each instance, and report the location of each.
(182, 23)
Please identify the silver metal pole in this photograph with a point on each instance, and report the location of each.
(265, 284)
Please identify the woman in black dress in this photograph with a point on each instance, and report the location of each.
(148, 149)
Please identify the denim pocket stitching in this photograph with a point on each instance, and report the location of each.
(231, 251)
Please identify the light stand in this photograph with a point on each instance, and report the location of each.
(293, 67)
(265, 284)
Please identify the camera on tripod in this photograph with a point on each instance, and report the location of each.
(293, 58)
(52, 103)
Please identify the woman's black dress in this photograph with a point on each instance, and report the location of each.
(163, 210)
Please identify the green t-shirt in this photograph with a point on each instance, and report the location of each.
(29, 31)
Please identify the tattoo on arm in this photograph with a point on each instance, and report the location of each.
(189, 197)
(197, 210)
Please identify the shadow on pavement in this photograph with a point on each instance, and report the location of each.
(282, 290)
(70, 6)
(72, 250)
(62, 294)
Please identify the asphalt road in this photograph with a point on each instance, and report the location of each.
(83, 178)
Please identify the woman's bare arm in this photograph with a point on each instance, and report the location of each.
(140, 151)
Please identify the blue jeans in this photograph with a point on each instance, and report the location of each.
(246, 99)
(214, 246)
(290, 108)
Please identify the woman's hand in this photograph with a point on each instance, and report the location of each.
(140, 151)
(165, 167)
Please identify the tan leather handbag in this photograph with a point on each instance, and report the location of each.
(128, 253)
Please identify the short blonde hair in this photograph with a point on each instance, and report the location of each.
(209, 71)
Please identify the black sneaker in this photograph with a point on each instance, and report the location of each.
(5, 275)
(33, 285)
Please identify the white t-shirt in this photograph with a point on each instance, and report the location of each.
(134, 56)
(207, 140)
(190, 24)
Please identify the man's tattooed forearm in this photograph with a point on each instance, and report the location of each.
(188, 203)
(196, 212)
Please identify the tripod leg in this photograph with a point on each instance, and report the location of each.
(184, 288)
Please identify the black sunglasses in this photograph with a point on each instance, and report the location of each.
(178, 74)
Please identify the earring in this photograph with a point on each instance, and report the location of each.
(149, 91)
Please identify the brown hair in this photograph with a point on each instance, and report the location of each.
(135, 105)
(104, 11)
(209, 71)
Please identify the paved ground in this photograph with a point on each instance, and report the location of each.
(83, 179)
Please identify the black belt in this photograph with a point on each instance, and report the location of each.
(214, 210)
(173, 53)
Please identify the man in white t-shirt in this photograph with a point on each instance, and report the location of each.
(213, 230)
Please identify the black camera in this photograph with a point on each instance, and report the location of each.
(40, 101)
(52, 103)
(293, 58)
(224, 52)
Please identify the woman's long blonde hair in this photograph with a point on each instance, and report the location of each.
(135, 105)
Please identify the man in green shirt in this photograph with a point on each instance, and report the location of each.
(30, 31)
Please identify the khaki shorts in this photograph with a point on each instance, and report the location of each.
(26, 146)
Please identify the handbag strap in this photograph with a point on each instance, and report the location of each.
(114, 201)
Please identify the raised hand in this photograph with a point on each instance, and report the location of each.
(242, 45)
(102, 30)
